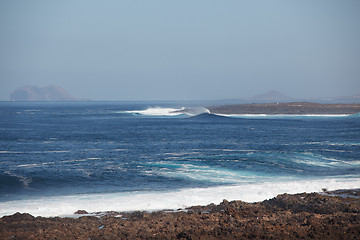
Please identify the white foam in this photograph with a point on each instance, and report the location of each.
(152, 200)
(322, 161)
(32, 110)
(28, 165)
(158, 111)
(57, 151)
(11, 152)
(54, 151)
(203, 173)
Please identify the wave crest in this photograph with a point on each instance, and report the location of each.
(160, 111)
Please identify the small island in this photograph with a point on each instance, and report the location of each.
(47, 93)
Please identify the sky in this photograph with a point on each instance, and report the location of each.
(181, 49)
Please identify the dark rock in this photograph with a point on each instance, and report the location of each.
(81, 212)
(225, 202)
(184, 235)
(313, 203)
(18, 217)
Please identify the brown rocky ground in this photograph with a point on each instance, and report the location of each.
(334, 215)
(287, 108)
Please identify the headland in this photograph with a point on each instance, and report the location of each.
(300, 108)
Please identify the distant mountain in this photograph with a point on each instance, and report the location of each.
(271, 96)
(47, 93)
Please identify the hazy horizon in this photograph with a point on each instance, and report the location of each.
(181, 50)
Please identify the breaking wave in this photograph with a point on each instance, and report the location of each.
(157, 200)
(160, 111)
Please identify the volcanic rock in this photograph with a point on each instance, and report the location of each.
(331, 215)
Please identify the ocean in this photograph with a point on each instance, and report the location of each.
(59, 157)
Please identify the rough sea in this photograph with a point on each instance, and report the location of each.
(58, 157)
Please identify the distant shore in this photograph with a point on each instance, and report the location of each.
(301, 108)
(327, 215)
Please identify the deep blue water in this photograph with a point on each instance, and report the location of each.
(60, 149)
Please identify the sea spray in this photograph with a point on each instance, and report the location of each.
(159, 200)
(160, 111)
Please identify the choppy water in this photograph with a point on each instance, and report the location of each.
(56, 158)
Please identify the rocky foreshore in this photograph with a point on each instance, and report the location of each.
(286, 108)
(327, 215)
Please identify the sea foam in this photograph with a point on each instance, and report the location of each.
(158, 200)
(160, 111)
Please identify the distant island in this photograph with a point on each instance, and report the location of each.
(47, 93)
(300, 108)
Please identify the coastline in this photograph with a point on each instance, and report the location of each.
(286, 108)
(325, 215)
(64, 206)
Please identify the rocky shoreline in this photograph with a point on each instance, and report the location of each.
(286, 108)
(327, 215)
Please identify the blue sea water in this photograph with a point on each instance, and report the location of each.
(58, 157)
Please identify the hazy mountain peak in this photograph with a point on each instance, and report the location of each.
(272, 96)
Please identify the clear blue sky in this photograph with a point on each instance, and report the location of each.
(181, 49)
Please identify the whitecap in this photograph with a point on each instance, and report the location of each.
(158, 111)
(321, 161)
(11, 152)
(28, 165)
(170, 112)
(203, 172)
